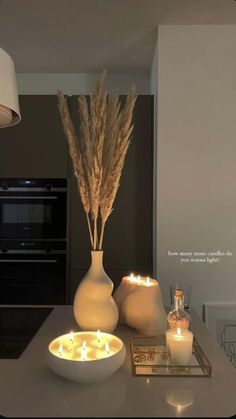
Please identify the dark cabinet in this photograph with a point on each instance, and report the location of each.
(37, 147)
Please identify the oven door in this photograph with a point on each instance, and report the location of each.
(33, 279)
(33, 215)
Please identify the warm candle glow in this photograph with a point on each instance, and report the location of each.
(178, 335)
(71, 337)
(85, 360)
(132, 278)
(140, 281)
(84, 348)
(179, 409)
(180, 398)
(148, 282)
(60, 350)
(179, 343)
(99, 336)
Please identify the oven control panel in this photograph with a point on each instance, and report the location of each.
(48, 185)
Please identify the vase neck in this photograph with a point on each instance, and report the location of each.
(97, 257)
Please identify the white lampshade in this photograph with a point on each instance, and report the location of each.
(9, 104)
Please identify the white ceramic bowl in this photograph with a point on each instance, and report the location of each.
(64, 356)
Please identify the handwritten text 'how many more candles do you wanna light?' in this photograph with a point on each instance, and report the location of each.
(200, 256)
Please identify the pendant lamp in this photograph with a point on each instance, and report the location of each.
(9, 105)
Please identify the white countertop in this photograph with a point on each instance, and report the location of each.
(28, 387)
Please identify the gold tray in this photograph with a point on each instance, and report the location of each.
(149, 357)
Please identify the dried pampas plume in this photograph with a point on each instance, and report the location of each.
(98, 153)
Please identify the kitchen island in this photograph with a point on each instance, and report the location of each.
(29, 388)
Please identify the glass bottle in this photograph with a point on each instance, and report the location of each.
(178, 317)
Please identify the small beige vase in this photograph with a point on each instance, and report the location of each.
(94, 307)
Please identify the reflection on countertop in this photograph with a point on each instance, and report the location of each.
(180, 398)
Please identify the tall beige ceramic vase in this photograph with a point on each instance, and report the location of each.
(94, 307)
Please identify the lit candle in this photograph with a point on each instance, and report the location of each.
(134, 281)
(60, 350)
(71, 337)
(148, 283)
(86, 346)
(140, 304)
(84, 350)
(74, 361)
(107, 348)
(179, 344)
(99, 336)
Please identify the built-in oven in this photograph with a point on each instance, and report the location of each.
(33, 208)
(32, 272)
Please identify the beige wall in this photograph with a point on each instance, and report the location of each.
(196, 158)
(79, 83)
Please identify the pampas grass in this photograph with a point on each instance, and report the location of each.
(98, 153)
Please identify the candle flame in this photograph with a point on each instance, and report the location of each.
(107, 348)
(148, 283)
(60, 350)
(131, 278)
(139, 279)
(84, 350)
(72, 336)
(179, 331)
(99, 335)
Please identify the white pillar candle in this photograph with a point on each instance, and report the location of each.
(179, 344)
